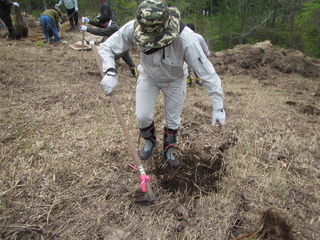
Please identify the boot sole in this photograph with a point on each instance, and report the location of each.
(174, 165)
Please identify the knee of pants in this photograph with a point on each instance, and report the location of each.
(144, 121)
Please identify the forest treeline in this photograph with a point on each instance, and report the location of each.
(291, 24)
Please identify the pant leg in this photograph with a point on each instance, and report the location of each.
(147, 92)
(70, 15)
(174, 95)
(6, 18)
(128, 60)
(75, 17)
(54, 29)
(43, 23)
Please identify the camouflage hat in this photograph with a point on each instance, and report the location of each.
(156, 25)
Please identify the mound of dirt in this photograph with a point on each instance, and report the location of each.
(264, 59)
(20, 28)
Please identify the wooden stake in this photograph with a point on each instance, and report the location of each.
(81, 67)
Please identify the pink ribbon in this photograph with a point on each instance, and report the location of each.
(132, 167)
(143, 179)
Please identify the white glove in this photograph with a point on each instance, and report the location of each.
(76, 9)
(15, 4)
(109, 82)
(85, 19)
(91, 42)
(59, 24)
(84, 28)
(220, 115)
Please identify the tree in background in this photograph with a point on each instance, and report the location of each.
(226, 23)
(309, 28)
(123, 10)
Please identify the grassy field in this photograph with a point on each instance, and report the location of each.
(64, 158)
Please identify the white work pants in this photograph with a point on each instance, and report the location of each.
(147, 91)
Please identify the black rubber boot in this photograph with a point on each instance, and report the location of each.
(72, 27)
(11, 33)
(149, 135)
(134, 72)
(169, 139)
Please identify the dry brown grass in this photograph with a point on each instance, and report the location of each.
(64, 172)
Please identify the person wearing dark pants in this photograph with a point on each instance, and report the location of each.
(72, 11)
(105, 9)
(5, 9)
(106, 27)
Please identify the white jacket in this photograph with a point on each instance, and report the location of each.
(167, 64)
(69, 4)
(203, 45)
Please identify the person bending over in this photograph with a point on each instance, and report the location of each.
(107, 27)
(166, 48)
(50, 18)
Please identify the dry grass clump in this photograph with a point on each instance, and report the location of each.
(272, 225)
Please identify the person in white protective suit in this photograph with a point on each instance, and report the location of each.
(166, 48)
(206, 51)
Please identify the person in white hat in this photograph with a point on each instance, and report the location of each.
(166, 48)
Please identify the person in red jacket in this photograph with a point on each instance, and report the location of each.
(5, 9)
